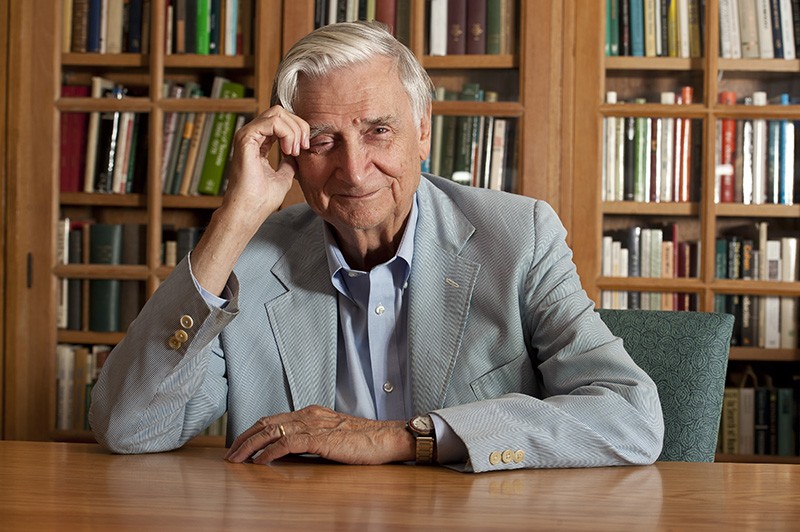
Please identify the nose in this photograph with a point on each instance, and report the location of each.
(353, 162)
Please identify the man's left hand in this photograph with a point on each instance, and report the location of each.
(324, 432)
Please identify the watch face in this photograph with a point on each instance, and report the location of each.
(422, 424)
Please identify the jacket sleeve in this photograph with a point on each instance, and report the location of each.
(165, 381)
(598, 407)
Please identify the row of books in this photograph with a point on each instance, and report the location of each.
(655, 28)
(77, 369)
(109, 305)
(759, 29)
(649, 159)
(472, 150)
(633, 300)
(761, 417)
(747, 252)
(768, 322)
(123, 26)
(396, 14)
(197, 145)
(472, 27)
(756, 158)
(99, 150)
(649, 252)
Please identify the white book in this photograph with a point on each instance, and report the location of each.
(789, 259)
(656, 239)
(104, 25)
(683, 29)
(667, 150)
(119, 179)
(437, 125)
(730, 46)
(438, 28)
(609, 176)
(746, 126)
(65, 368)
(655, 175)
(766, 46)
(616, 249)
(772, 332)
(607, 267)
(231, 17)
(332, 12)
(498, 155)
(759, 152)
(114, 27)
(748, 29)
(787, 29)
(62, 257)
(645, 251)
(351, 11)
(658, 15)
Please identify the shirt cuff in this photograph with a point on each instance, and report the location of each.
(211, 299)
(449, 447)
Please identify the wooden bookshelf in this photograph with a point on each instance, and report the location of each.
(537, 93)
(705, 219)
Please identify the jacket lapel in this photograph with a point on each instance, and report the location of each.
(304, 320)
(440, 290)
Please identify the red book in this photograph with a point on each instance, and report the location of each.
(456, 27)
(727, 188)
(386, 12)
(72, 156)
(476, 27)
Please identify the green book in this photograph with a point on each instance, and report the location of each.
(105, 247)
(219, 143)
(493, 27)
(640, 155)
(203, 27)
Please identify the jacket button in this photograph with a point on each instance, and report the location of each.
(181, 336)
(508, 456)
(174, 343)
(186, 321)
(495, 458)
(519, 456)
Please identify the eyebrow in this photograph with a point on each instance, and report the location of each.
(328, 128)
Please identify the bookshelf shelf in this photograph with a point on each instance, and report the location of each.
(485, 108)
(657, 284)
(134, 103)
(635, 208)
(750, 354)
(194, 61)
(759, 65)
(104, 60)
(103, 200)
(472, 62)
(101, 271)
(756, 211)
(654, 109)
(653, 63)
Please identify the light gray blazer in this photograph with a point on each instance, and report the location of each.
(504, 344)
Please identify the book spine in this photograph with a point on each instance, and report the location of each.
(219, 144)
(727, 150)
(438, 27)
(105, 247)
(777, 31)
(786, 156)
(385, 11)
(202, 27)
(766, 44)
(637, 28)
(748, 29)
(476, 27)
(456, 27)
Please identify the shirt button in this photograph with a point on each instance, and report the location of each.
(380, 309)
(405, 285)
(352, 274)
(388, 387)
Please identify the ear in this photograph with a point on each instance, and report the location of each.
(425, 135)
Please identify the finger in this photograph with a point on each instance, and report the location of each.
(254, 443)
(291, 131)
(264, 424)
(291, 444)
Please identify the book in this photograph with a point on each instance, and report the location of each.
(134, 38)
(760, 142)
(100, 85)
(729, 35)
(456, 27)
(667, 150)
(216, 155)
(462, 164)
(777, 30)
(203, 27)
(476, 27)
(114, 27)
(105, 247)
(121, 157)
(748, 29)
(786, 158)
(72, 142)
(80, 26)
(636, 13)
(729, 430)
(498, 157)
(170, 133)
(93, 26)
(198, 127)
(75, 286)
(684, 162)
(725, 174)
(766, 46)
(788, 304)
(437, 43)
(108, 132)
(205, 134)
(386, 12)
(65, 384)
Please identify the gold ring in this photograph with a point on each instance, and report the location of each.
(282, 431)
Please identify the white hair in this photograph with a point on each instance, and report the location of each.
(344, 44)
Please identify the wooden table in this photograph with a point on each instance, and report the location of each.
(72, 486)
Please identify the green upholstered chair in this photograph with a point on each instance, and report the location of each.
(686, 354)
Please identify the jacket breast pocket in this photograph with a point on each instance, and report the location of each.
(515, 376)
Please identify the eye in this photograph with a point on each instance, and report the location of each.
(320, 144)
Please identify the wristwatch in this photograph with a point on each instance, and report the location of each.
(421, 427)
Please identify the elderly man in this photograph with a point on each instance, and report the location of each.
(394, 317)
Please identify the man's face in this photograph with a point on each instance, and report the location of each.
(363, 165)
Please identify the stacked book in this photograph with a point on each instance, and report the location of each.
(758, 29)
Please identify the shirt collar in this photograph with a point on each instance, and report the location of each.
(405, 251)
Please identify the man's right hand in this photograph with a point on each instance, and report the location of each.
(255, 190)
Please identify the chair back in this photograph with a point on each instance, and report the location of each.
(686, 354)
